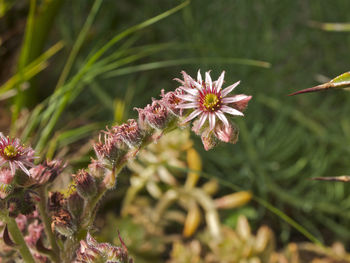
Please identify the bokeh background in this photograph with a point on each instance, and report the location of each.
(284, 141)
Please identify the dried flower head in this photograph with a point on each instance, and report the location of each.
(62, 222)
(15, 154)
(208, 101)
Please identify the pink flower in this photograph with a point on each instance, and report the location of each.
(15, 154)
(209, 102)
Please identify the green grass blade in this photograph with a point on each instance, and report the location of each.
(177, 62)
(32, 69)
(79, 42)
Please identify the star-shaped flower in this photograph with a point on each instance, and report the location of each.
(209, 102)
(15, 154)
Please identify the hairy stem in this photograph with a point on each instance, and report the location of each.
(47, 224)
(17, 237)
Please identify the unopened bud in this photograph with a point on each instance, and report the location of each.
(130, 133)
(241, 104)
(155, 114)
(97, 169)
(209, 140)
(111, 148)
(171, 101)
(85, 183)
(228, 134)
(75, 205)
(62, 222)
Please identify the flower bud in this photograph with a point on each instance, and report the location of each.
(88, 253)
(92, 251)
(242, 104)
(171, 100)
(85, 183)
(208, 139)
(226, 133)
(97, 169)
(75, 205)
(46, 172)
(62, 222)
(111, 148)
(130, 133)
(155, 114)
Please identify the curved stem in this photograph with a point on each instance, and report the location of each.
(17, 237)
(47, 224)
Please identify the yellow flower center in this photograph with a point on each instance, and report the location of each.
(10, 152)
(211, 102)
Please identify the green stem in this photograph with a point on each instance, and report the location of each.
(19, 240)
(47, 224)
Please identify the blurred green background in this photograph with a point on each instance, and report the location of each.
(284, 141)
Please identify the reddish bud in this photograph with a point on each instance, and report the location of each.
(155, 114)
(171, 101)
(46, 172)
(129, 132)
(241, 105)
(228, 134)
(85, 183)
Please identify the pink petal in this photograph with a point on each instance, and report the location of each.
(24, 169)
(187, 106)
(234, 98)
(208, 80)
(191, 91)
(200, 122)
(193, 115)
(199, 77)
(220, 81)
(212, 120)
(231, 111)
(187, 97)
(229, 88)
(12, 167)
(222, 117)
(180, 81)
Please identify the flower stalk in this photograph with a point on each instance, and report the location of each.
(19, 240)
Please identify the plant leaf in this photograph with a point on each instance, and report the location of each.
(342, 81)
